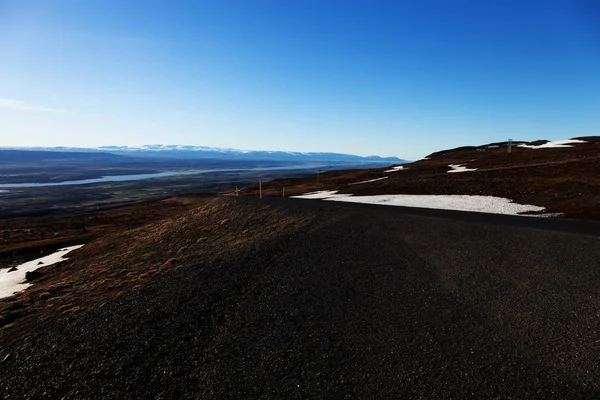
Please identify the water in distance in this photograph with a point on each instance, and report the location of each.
(136, 177)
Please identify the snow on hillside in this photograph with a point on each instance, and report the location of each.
(13, 281)
(164, 147)
(394, 169)
(369, 181)
(267, 154)
(460, 168)
(553, 145)
(484, 204)
(191, 152)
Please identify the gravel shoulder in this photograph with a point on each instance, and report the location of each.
(358, 302)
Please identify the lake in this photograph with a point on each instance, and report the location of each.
(137, 177)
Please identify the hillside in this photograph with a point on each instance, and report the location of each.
(126, 246)
(18, 157)
(560, 176)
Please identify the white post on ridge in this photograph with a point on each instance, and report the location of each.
(509, 146)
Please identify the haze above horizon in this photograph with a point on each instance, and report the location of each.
(392, 78)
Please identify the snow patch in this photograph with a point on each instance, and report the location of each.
(323, 194)
(484, 204)
(460, 168)
(494, 146)
(558, 144)
(370, 180)
(394, 169)
(14, 282)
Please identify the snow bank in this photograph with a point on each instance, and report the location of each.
(324, 194)
(371, 180)
(485, 204)
(553, 145)
(460, 168)
(394, 169)
(13, 282)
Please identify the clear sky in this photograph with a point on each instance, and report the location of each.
(383, 77)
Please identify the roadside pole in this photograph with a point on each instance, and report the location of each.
(260, 187)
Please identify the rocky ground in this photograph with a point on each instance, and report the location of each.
(564, 180)
(241, 298)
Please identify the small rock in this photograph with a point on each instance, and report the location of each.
(13, 269)
(45, 296)
(32, 275)
(40, 263)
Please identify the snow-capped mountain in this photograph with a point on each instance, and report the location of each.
(204, 152)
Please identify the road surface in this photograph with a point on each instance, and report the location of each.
(368, 302)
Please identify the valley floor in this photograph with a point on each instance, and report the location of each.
(324, 300)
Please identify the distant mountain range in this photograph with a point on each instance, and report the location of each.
(203, 152)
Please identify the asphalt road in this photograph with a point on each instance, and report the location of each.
(368, 302)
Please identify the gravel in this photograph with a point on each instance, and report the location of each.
(367, 302)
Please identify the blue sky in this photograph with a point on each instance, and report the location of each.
(401, 78)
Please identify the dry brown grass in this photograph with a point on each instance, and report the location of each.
(127, 258)
(22, 239)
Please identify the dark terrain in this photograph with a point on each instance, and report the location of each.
(26, 238)
(565, 181)
(307, 299)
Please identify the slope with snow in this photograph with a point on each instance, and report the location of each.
(394, 169)
(460, 168)
(12, 282)
(369, 181)
(553, 145)
(203, 152)
(484, 204)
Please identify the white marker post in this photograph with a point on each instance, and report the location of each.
(509, 150)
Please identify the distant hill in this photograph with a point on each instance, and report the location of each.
(40, 156)
(561, 176)
(203, 152)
